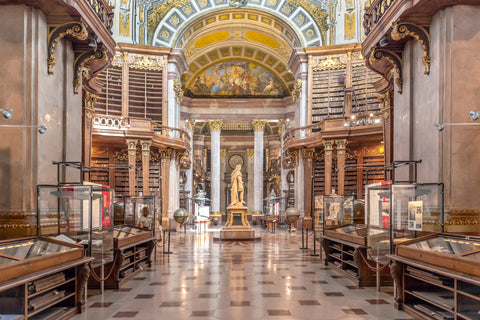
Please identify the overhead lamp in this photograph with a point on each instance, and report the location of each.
(41, 129)
(7, 113)
(474, 115)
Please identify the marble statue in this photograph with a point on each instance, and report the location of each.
(237, 186)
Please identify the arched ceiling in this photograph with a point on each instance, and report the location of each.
(238, 36)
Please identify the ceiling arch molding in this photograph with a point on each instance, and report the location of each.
(308, 22)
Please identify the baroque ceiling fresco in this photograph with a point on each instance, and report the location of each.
(236, 47)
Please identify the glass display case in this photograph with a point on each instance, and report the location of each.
(80, 214)
(143, 212)
(405, 211)
(123, 235)
(358, 233)
(337, 211)
(23, 256)
(450, 251)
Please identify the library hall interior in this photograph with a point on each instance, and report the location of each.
(240, 159)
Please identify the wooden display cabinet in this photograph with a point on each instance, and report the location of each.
(437, 277)
(41, 278)
(346, 252)
(133, 248)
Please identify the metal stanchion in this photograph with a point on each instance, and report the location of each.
(303, 239)
(168, 250)
(315, 254)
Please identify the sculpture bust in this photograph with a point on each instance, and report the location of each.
(236, 196)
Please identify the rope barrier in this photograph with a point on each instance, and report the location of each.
(96, 277)
(374, 269)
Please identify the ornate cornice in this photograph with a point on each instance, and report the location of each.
(258, 125)
(297, 90)
(178, 90)
(73, 29)
(215, 125)
(158, 13)
(393, 58)
(407, 29)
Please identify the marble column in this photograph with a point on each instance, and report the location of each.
(250, 167)
(258, 127)
(165, 155)
(328, 165)
(215, 128)
(386, 100)
(283, 171)
(132, 159)
(300, 184)
(189, 185)
(223, 153)
(341, 155)
(146, 166)
(308, 173)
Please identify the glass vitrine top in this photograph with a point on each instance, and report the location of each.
(126, 231)
(4, 260)
(446, 245)
(32, 248)
(360, 230)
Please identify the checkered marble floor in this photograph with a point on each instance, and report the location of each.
(267, 279)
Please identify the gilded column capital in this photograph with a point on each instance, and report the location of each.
(205, 151)
(215, 125)
(132, 144)
(89, 100)
(250, 153)
(191, 124)
(267, 152)
(145, 145)
(165, 153)
(308, 153)
(341, 144)
(222, 153)
(197, 152)
(258, 125)
(328, 145)
(282, 125)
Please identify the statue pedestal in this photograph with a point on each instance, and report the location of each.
(237, 226)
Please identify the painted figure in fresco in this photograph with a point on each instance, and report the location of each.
(237, 186)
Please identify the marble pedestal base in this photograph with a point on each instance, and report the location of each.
(237, 226)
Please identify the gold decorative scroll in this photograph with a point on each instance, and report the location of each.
(191, 125)
(145, 62)
(330, 63)
(74, 29)
(82, 71)
(251, 153)
(178, 90)
(222, 153)
(121, 155)
(406, 29)
(89, 100)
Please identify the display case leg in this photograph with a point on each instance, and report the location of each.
(378, 277)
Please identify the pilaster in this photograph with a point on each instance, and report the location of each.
(132, 157)
(146, 144)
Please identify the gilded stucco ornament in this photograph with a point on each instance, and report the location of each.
(73, 29)
(406, 29)
(318, 14)
(215, 125)
(237, 3)
(258, 125)
(82, 71)
(178, 90)
(297, 90)
(159, 12)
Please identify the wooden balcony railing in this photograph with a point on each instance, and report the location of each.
(375, 12)
(300, 132)
(103, 11)
(164, 136)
